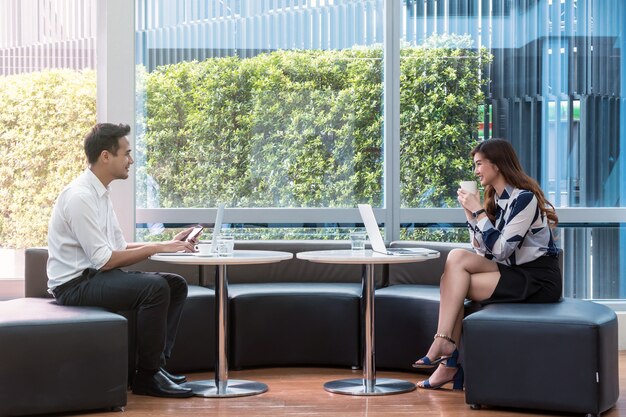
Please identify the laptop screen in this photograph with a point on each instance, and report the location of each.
(371, 226)
(217, 228)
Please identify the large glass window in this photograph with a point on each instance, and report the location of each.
(550, 82)
(47, 103)
(259, 104)
(544, 68)
(275, 107)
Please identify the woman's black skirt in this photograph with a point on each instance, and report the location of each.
(538, 281)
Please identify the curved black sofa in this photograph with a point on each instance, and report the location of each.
(298, 312)
(292, 313)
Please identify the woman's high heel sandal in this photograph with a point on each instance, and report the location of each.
(457, 380)
(450, 359)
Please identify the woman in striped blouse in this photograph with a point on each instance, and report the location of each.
(516, 259)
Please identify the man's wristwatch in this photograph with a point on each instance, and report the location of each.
(477, 213)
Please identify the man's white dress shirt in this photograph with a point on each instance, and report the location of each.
(83, 231)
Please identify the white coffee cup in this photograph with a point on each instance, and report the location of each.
(469, 186)
(204, 249)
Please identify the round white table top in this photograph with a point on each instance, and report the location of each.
(366, 257)
(240, 257)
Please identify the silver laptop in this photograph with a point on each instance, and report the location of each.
(376, 239)
(217, 229)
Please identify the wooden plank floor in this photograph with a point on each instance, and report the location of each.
(299, 392)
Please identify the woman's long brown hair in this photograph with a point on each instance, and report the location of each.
(500, 153)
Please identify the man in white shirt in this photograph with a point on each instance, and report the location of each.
(87, 249)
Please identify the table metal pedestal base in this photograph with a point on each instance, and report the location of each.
(356, 386)
(235, 388)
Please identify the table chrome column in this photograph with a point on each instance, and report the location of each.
(221, 386)
(368, 385)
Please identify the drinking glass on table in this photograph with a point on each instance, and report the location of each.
(225, 245)
(357, 241)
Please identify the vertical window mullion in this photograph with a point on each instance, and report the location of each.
(391, 118)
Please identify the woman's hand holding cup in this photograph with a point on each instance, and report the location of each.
(469, 186)
(468, 197)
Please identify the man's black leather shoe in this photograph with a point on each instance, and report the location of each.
(177, 379)
(158, 385)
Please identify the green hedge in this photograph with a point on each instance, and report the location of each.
(440, 100)
(304, 129)
(43, 118)
(282, 129)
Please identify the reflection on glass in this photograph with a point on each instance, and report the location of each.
(541, 67)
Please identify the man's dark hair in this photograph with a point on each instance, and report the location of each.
(104, 137)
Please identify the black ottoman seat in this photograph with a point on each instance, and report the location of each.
(560, 357)
(59, 359)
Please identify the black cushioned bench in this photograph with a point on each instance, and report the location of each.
(407, 307)
(406, 320)
(196, 333)
(60, 359)
(278, 324)
(294, 312)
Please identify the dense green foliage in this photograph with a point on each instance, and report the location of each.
(43, 117)
(304, 128)
(282, 129)
(439, 102)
